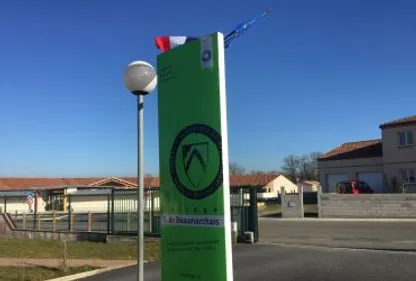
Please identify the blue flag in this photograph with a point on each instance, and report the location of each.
(241, 28)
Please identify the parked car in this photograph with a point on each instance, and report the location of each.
(353, 187)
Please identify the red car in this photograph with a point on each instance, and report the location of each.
(353, 187)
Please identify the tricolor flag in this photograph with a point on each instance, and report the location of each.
(166, 43)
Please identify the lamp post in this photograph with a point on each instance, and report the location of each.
(140, 79)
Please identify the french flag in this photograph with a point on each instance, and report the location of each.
(166, 43)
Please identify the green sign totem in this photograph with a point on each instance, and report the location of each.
(194, 175)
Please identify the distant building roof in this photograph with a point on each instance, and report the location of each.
(408, 120)
(120, 182)
(56, 183)
(252, 180)
(355, 150)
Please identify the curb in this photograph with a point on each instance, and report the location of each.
(89, 273)
(340, 219)
(328, 247)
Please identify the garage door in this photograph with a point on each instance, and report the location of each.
(374, 180)
(333, 179)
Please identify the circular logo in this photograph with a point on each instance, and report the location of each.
(196, 161)
(206, 56)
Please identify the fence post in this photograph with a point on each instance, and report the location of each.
(54, 221)
(302, 208)
(254, 225)
(234, 232)
(24, 219)
(35, 212)
(128, 221)
(240, 197)
(39, 222)
(108, 213)
(243, 212)
(319, 197)
(89, 221)
(69, 212)
(282, 200)
(71, 222)
(112, 211)
(151, 211)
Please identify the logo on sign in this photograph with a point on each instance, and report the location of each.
(206, 52)
(206, 56)
(195, 154)
(196, 161)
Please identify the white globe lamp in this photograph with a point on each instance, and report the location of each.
(140, 78)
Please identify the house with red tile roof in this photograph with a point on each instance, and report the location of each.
(50, 190)
(13, 183)
(383, 163)
(265, 183)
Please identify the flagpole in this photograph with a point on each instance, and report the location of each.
(243, 27)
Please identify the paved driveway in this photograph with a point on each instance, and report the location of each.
(290, 263)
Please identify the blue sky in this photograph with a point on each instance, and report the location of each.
(312, 75)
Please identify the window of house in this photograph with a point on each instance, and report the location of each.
(408, 175)
(405, 138)
(412, 177)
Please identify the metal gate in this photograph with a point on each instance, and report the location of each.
(244, 212)
(123, 211)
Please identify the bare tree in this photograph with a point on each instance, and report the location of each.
(236, 169)
(291, 164)
(305, 167)
(261, 173)
(313, 157)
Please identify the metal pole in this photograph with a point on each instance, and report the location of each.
(140, 188)
(302, 207)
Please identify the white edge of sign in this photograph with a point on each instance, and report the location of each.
(225, 160)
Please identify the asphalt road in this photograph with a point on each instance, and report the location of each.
(367, 234)
(294, 263)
